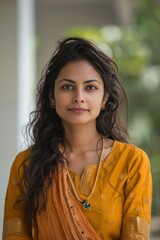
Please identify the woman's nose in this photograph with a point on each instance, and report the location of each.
(78, 97)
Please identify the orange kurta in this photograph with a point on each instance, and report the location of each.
(120, 204)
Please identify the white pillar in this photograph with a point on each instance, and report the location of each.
(26, 64)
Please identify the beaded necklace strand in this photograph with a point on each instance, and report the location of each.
(85, 202)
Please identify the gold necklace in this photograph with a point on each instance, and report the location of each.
(85, 202)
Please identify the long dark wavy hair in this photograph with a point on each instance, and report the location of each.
(45, 128)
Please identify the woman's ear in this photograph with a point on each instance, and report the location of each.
(52, 101)
(105, 98)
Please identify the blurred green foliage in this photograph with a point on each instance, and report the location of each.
(136, 50)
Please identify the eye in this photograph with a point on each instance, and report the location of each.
(67, 87)
(91, 87)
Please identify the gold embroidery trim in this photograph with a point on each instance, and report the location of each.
(16, 226)
(136, 225)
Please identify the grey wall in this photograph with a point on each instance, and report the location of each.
(8, 91)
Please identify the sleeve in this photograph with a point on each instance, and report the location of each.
(138, 198)
(15, 226)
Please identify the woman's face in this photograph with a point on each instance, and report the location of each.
(79, 93)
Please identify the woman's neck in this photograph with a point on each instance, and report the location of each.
(80, 138)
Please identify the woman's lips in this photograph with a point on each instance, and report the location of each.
(78, 110)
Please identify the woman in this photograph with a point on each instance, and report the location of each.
(79, 179)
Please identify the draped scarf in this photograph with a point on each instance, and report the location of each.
(63, 218)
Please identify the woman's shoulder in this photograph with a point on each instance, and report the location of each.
(130, 153)
(126, 154)
(128, 148)
(21, 157)
(125, 157)
(20, 162)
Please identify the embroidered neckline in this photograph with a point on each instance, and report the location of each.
(85, 202)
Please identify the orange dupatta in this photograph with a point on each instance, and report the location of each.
(63, 218)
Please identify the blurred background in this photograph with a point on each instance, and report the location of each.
(127, 30)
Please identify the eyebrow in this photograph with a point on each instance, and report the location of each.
(72, 81)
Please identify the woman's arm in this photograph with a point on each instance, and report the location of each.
(138, 198)
(15, 226)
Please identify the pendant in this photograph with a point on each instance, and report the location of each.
(86, 205)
